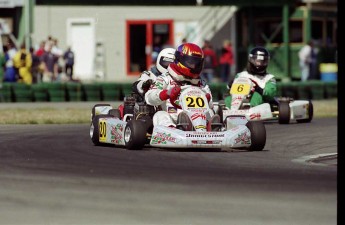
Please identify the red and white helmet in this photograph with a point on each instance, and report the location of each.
(189, 62)
(164, 58)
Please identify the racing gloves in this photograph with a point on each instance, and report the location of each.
(172, 93)
(146, 85)
(257, 88)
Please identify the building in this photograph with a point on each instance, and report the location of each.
(116, 40)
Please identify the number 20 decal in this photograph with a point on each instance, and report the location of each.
(195, 102)
(102, 131)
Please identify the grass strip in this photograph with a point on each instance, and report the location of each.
(322, 109)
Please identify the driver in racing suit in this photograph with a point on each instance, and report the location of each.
(265, 88)
(147, 77)
(185, 70)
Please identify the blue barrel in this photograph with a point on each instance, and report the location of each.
(328, 72)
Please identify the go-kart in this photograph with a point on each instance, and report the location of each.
(282, 109)
(108, 124)
(197, 127)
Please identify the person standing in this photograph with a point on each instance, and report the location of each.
(50, 66)
(35, 70)
(10, 71)
(226, 60)
(210, 62)
(69, 62)
(22, 61)
(2, 64)
(305, 60)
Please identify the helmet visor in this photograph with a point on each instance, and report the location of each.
(259, 60)
(195, 64)
(164, 62)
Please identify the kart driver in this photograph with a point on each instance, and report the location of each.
(185, 70)
(265, 88)
(147, 77)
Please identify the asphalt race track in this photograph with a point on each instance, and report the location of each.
(52, 174)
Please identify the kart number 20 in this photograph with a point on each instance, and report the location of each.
(195, 102)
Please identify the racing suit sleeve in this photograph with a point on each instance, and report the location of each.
(153, 95)
(270, 90)
(207, 90)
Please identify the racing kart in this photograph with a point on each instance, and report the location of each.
(197, 127)
(283, 109)
(111, 125)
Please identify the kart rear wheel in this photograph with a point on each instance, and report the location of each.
(183, 122)
(135, 134)
(284, 113)
(257, 135)
(94, 107)
(115, 113)
(310, 114)
(94, 129)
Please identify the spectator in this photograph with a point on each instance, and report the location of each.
(22, 62)
(50, 65)
(2, 64)
(210, 62)
(35, 68)
(69, 62)
(305, 60)
(40, 50)
(48, 43)
(56, 50)
(10, 72)
(226, 60)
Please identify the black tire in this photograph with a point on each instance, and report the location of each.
(93, 109)
(257, 135)
(221, 107)
(310, 113)
(94, 129)
(148, 122)
(184, 123)
(115, 113)
(284, 113)
(135, 134)
(215, 123)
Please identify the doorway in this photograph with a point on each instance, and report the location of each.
(81, 39)
(145, 38)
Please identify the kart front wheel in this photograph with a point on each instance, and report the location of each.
(310, 114)
(135, 134)
(284, 113)
(257, 135)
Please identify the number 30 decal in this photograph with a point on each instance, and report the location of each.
(102, 131)
(195, 102)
